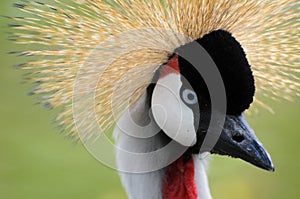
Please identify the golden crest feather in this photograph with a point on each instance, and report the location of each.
(68, 36)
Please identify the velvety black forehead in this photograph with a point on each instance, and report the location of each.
(234, 68)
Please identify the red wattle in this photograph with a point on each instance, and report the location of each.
(179, 181)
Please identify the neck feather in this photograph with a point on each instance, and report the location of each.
(150, 185)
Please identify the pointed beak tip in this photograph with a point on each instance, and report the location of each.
(267, 165)
(264, 163)
(267, 161)
(271, 168)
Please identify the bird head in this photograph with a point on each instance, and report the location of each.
(93, 60)
(182, 105)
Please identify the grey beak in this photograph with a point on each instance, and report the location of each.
(239, 141)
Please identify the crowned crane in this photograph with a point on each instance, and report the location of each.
(139, 64)
(181, 92)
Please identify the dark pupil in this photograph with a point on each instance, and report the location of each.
(190, 96)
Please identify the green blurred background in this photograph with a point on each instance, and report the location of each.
(37, 162)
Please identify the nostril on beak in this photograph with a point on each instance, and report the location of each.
(238, 138)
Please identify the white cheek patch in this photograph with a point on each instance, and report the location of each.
(174, 117)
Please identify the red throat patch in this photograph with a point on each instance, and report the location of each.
(171, 67)
(179, 181)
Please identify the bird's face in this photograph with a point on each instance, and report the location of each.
(181, 103)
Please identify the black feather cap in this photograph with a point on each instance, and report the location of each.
(230, 58)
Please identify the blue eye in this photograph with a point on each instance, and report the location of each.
(189, 97)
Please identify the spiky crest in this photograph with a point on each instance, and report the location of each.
(66, 33)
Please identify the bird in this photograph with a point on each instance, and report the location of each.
(170, 80)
